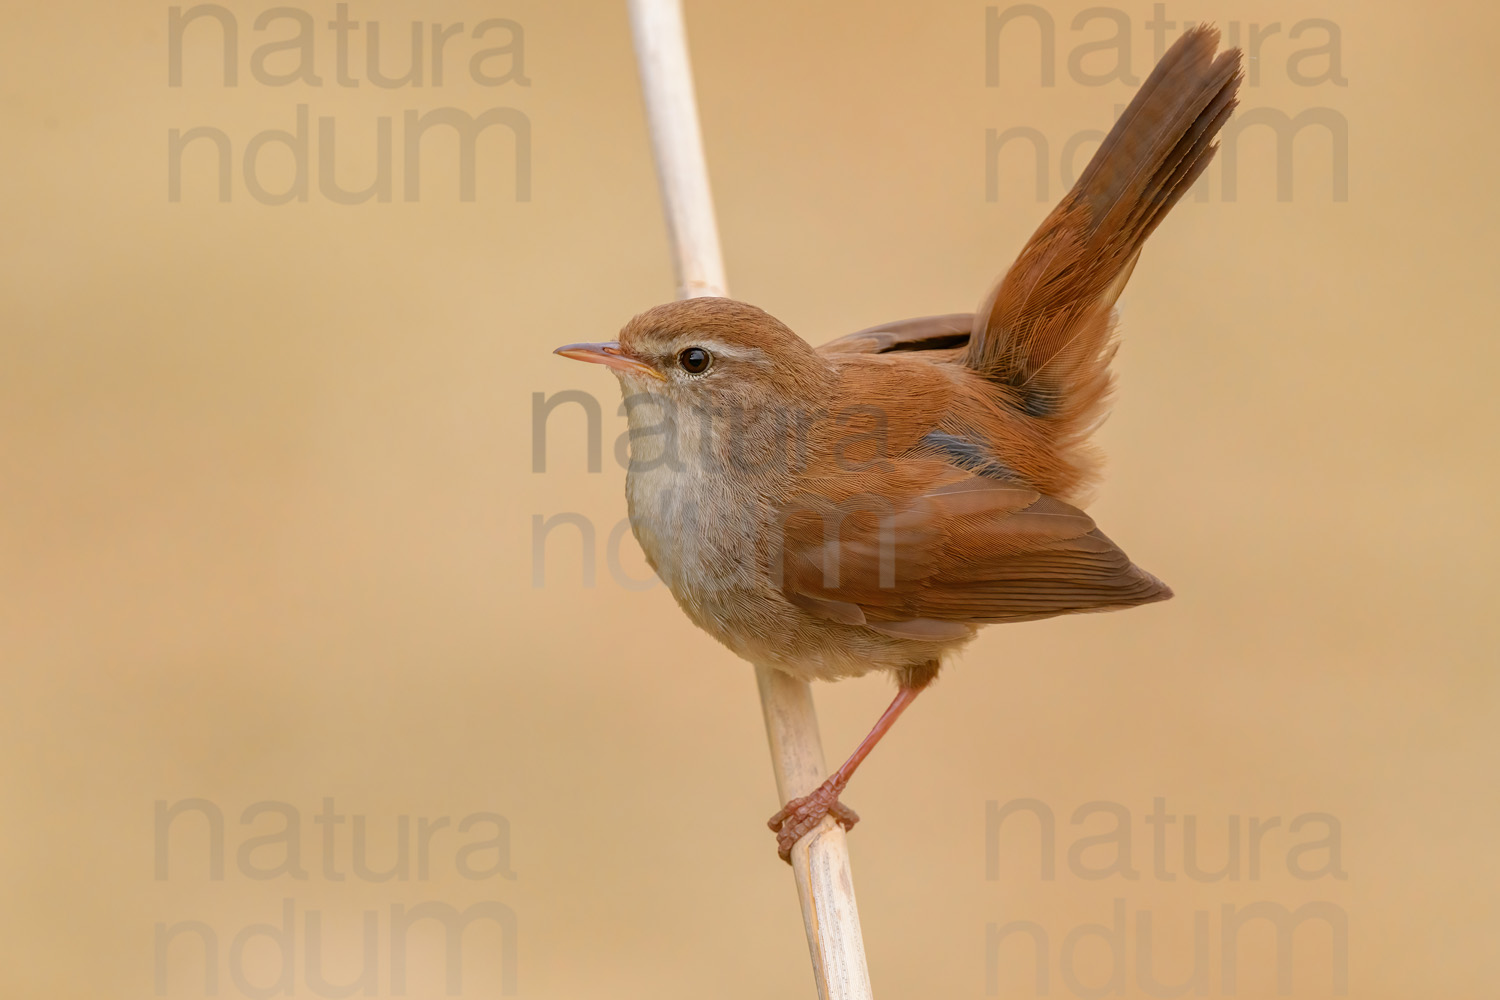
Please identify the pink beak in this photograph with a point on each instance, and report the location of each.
(609, 355)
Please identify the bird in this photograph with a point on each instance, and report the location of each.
(870, 504)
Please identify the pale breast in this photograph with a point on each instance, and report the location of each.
(713, 556)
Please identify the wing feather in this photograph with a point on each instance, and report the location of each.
(961, 550)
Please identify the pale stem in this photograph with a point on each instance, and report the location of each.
(820, 860)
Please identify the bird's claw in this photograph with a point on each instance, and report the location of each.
(797, 818)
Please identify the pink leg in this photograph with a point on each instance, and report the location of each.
(795, 819)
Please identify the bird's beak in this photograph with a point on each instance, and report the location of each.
(610, 355)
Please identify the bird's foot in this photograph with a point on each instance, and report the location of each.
(797, 817)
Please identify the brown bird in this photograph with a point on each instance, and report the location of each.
(870, 504)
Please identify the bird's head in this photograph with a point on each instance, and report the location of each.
(709, 352)
(713, 378)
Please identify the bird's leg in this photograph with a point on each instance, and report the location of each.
(799, 816)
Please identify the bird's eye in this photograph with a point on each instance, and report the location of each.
(694, 360)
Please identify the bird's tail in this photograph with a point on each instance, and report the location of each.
(1044, 331)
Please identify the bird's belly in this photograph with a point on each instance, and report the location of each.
(713, 555)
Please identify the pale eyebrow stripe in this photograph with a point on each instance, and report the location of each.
(714, 347)
(737, 352)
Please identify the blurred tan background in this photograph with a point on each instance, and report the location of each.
(267, 501)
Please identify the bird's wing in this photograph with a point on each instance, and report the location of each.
(925, 333)
(926, 550)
